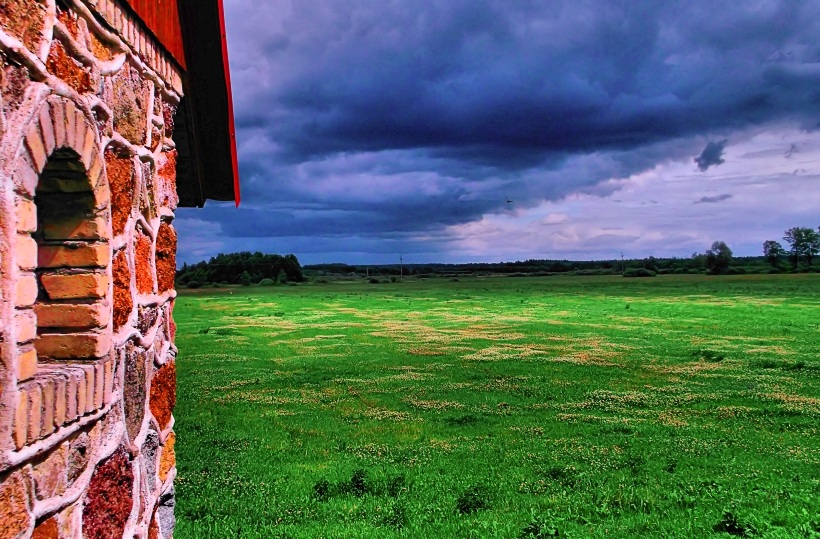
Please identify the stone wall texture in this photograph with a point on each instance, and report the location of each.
(87, 260)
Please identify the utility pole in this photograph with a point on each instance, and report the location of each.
(401, 267)
(623, 266)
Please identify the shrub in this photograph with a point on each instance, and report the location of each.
(638, 272)
(194, 284)
(267, 282)
(473, 499)
(373, 280)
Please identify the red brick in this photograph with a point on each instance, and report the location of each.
(108, 388)
(36, 149)
(26, 323)
(26, 363)
(76, 255)
(47, 129)
(21, 420)
(89, 388)
(80, 227)
(26, 290)
(58, 121)
(70, 111)
(73, 345)
(73, 316)
(75, 286)
(15, 520)
(82, 387)
(99, 384)
(71, 397)
(60, 384)
(26, 212)
(35, 413)
(25, 177)
(48, 407)
(26, 252)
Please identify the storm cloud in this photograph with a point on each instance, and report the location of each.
(385, 120)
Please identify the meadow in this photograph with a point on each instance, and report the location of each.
(676, 406)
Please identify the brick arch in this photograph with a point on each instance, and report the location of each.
(62, 270)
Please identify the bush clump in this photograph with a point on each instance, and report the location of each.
(638, 272)
(267, 282)
(194, 284)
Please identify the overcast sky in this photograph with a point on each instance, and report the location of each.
(487, 130)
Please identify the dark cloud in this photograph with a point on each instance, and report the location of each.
(712, 155)
(374, 119)
(713, 200)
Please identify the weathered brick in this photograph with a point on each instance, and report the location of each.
(48, 406)
(108, 388)
(26, 290)
(63, 66)
(21, 420)
(25, 177)
(15, 520)
(81, 392)
(26, 212)
(36, 149)
(71, 396)
(26, 363)
(88, 147)
(26, 252)
(60, 384)
(26, 323)
(35, 413)
(82, 131)
(75, 286)
(99, 385)
(76, 227)
(47, 129)
(70, 111)
(73, 316)
(122, 184)
(89, 388)
(73, 345)
(76, 255)
(57, 120)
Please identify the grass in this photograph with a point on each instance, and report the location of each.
(682, 406)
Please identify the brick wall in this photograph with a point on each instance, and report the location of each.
(87, 260)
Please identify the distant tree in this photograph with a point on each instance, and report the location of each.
(773, 252)
(718, 258)
(245, 278)
(804, 242)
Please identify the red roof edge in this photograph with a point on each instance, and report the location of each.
(232, 125)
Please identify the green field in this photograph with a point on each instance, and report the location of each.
(683, 406)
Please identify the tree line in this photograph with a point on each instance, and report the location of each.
(243, 268)
(804, 244)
